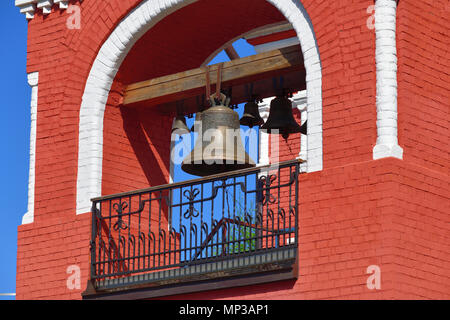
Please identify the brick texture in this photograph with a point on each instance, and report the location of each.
(424, 95)
(355, 213)
(371, 213)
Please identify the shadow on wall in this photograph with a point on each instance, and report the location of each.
(149, 135)
(257, 290)
(289, 148)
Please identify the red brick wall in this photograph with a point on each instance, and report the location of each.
(136, 150)
(58, 237)
(370, 213)
(421, 235)
(354, 213)
(423, 82)
(134, 140)
(46, 249)
(347, 52)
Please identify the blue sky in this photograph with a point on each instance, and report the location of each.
(15, 131)
(14, 138)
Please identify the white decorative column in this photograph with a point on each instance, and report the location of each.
(172, 166)
(33, 79)
(386, 71)
(264, 108)
(300, 101)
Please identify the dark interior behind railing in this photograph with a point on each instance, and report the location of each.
(216, 218)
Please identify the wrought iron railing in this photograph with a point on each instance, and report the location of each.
(217, 218)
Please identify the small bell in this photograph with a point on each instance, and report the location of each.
(179, 125)
(251, 115)
(281, 117)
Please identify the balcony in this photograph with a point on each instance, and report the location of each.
(225, 230)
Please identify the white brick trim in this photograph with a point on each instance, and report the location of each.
(386, 71)
(33, 79)
(45, 5)
(300, 101)
(264, 109)
(29, 7)
(116, 47)
(63, 4)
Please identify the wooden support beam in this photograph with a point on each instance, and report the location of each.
(231, 53)
(188, 86)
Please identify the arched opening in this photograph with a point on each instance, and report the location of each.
(202, 221)
(129, 55)
(177, 43)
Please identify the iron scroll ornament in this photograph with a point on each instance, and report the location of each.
(120, 207)
(191, 195)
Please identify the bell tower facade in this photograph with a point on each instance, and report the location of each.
(371, 208)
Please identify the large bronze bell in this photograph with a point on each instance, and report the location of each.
(179, 125)
(219, 145)
(281, 117)
(251, 116)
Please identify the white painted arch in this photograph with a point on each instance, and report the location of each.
(117, 46)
